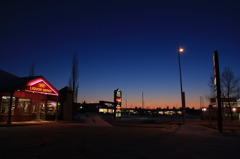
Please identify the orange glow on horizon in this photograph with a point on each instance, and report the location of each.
(156, 103)
(152, 101)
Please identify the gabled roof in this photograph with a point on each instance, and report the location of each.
(9, 82)
(65, 89)
(40, 85)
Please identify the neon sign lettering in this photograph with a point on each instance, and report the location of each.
(40, 89)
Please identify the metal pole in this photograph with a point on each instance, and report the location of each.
(180, 71)
(182, 93)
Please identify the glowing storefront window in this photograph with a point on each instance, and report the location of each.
(51, 107)
(111, 111)
(105, 110)
(24, 106)
(5, 105)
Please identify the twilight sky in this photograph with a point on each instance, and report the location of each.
(126, 44)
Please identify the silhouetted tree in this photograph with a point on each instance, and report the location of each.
(212, 88)
(73, 82)
(230, 87)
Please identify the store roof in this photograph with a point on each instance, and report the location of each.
(10, 82)
(6, 75)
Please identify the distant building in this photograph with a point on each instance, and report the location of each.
(101, 107)
(28, 98)
(229, 105)
(225, 102)
(106, 107)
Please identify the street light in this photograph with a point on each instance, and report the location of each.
(180, 50)
(142, 101)
(234, 109)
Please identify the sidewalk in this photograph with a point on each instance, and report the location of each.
(26, 123)
(195, 129)
(228, 126)
(95, 121)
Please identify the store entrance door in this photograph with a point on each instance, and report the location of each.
(38, 110)
(42, 110)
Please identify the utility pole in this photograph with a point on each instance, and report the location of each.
(217, 84)
(142, 100)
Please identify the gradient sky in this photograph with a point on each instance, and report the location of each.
(130, 45)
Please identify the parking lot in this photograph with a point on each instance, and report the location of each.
(96, 138)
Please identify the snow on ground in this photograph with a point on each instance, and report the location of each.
(192, 129)
(96, 121)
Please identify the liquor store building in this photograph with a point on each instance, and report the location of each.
(28, 98)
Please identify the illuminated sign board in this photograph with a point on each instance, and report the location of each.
(41, 86)
(118, 99)
(117, 103)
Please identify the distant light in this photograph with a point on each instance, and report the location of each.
(204, 109)
(234, 109)
(180, 49)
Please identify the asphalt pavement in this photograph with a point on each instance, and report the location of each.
(96, 138)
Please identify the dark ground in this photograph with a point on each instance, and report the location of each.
(96, 139)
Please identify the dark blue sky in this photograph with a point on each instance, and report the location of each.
(131, 45)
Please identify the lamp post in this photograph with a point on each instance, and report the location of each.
(180, 50)
(142, 101)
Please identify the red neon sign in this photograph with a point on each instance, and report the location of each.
(41, 86)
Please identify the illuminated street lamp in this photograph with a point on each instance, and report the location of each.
(180, 50)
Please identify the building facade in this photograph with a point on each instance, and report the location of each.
(28, 98)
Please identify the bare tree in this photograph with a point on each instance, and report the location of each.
(73, 82)
(230, 88)
(32, 69)
(212, 88)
